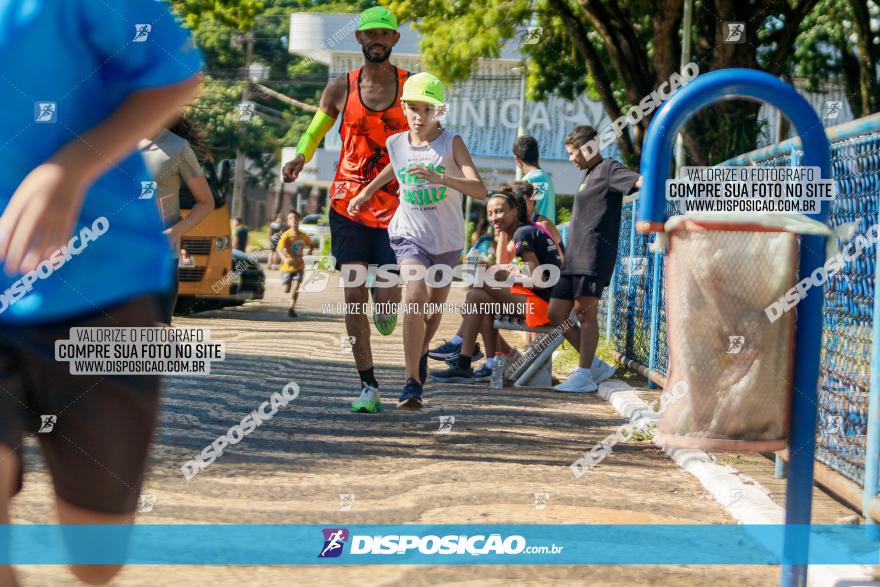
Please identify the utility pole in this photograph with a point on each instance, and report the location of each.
(687, 21)
(521, 131)
(238, 179)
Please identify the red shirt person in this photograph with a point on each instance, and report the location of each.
(368, 99)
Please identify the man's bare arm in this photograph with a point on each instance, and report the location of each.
(332, 103)
(333, 98)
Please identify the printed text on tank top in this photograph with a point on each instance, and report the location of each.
(411, 186)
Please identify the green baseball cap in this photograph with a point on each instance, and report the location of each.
(423, 87)
(377, 17)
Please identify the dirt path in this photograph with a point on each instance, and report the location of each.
(505, 446)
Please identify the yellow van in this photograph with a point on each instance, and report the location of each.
(206, 276)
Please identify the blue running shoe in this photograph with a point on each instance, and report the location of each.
(453, 357)
(484, 373)
(440, 353)
(454, 374)
(411, 398)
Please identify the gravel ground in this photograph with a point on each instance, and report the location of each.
(505, 446)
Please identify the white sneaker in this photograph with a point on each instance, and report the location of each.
(580, 381)
(368, 401)
(600, 370)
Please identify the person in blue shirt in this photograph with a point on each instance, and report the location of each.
(81, 240)
(526, 155)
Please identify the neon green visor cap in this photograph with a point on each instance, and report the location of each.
(377, 17)
(425, 88)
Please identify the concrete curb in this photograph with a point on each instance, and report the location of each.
(741, 496)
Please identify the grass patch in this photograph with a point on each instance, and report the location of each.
(258, 238)
(567, 361)
(727, 459)
(646, 434)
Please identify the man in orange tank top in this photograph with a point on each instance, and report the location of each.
(368, 99)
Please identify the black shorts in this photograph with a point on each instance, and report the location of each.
(570, 287)
(96, 448)
(291, 276)
(351, 242)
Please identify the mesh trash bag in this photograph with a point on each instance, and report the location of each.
(736, 363)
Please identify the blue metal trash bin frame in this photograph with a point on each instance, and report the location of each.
(656, 164)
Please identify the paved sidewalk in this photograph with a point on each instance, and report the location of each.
(505, 446)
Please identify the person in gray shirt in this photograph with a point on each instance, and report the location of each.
(171, 161)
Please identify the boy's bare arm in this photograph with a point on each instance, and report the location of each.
(142, 114)
(384, 176)
(41, 213)
(502, 254)
(470, 184)
(554, 232)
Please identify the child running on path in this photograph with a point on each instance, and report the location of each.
(77, 211)
(434, 169)
(292, 247)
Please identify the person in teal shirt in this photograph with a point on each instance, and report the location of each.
(526, 154)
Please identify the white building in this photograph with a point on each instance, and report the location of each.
(484, 110)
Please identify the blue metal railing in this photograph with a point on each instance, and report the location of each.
(849, 413)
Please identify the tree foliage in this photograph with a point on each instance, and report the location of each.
(239, 14)
(620, 50)
(220, 28)
(615, 50)
(837, 40)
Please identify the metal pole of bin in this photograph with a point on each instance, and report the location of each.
(656, 163)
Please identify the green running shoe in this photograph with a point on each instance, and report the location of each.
(385, 323)
(368, 402)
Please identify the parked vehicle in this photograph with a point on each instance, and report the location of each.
(317, 228)
(314, 225)
(250, 280)
(207, 280)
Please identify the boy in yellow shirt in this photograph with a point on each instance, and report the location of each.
(292, 247)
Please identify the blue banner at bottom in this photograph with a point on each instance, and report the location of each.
(439, 544)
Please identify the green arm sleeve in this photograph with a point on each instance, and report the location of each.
(321, 123)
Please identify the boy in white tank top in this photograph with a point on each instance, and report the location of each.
(435, 170)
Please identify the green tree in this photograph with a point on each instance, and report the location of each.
(239, 14)
(220, 28)
(825, 46)
(620, 50)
